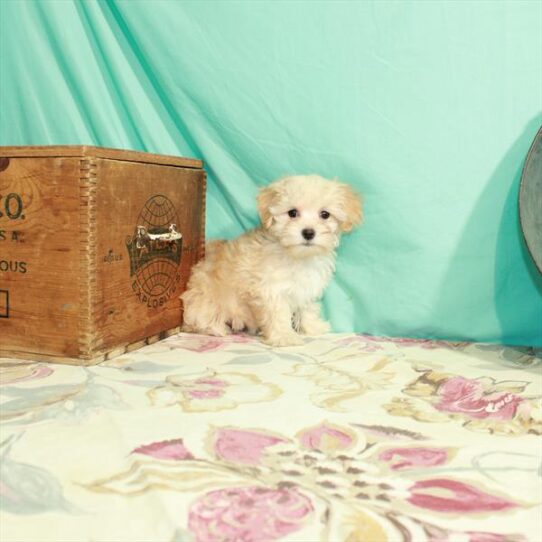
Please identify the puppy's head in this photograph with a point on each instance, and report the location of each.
(307, 213)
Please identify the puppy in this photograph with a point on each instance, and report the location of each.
(270, 279)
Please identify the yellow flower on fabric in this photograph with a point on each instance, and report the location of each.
(214, 392)
(12, 372)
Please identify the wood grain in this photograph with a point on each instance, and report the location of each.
(145, 303)
(77, 287)
(42, 270)
(99, 152)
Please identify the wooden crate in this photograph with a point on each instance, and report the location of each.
(96, 246)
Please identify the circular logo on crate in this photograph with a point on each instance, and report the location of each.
(155, 251)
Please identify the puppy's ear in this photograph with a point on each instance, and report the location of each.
(265, 199)
(351, 208)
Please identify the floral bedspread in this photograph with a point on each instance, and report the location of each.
(349, 438)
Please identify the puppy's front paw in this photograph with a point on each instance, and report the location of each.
(315, 327)
(284, 339)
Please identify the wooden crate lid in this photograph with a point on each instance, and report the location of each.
(98, 152)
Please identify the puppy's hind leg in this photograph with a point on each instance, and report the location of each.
(202, 315)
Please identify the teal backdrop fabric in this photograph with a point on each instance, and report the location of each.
(427, 108)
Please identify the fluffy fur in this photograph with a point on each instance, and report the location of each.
(270, 279)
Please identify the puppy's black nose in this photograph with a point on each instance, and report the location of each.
(308, 233)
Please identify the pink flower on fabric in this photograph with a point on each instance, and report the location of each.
(248, 514)
(167, 449)
(204, 343)
(326, 438)
(240, 446)
(467, 396)
(12, 374)
(405, 458)
(207, 388)
(372, 343)
(429, 344)
(205, 394)
(486, 537)
(444, 495)
(436, 534)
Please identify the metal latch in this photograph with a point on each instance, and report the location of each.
(144, 238)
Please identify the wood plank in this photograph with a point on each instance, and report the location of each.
(141, 298)
(98, 152)
(39, 255)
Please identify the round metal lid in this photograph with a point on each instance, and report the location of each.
(530, 200)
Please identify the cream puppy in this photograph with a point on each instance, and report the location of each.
(270, 280)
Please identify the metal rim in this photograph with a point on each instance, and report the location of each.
(537, 140)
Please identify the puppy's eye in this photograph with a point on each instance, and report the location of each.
(324, 214)
(292, 213)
